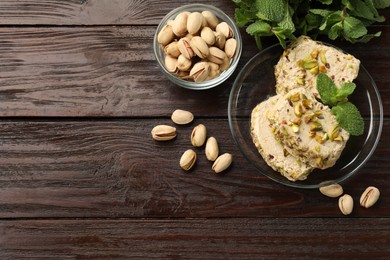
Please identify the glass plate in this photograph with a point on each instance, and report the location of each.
(256, 82)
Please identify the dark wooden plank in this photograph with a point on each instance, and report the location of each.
(113, 168)
(259, 238)
(92, 12)
(111, 71)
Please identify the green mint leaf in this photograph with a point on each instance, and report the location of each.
(271, 10)
(363, 9)
(349, 118)
(331, 20)
(241, 17)
(380, 4)
(258, 41)
(259, 27)
(286, 23)
(321, 12)
(327, 89)
(335, 31)
(353, 28)
(365, 38)
(327, 2)
(313, 21)
(358, 8)
(345, 90)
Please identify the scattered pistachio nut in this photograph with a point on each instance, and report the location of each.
(225, 29)
(333, 190)
(170, 63)
(222, 162)
(220, 40)
(163, 132)
(216, 55)
(182, 117)
(185, 48)
(187, 160)
(194, 22)
(211, 19)
(369, 197)
(208, 35)
(230, 47)
(200, 47)
(183, 64)
(179, 27)
(346, 204)
(172, 49)
(198, 135)
(200, 71)
(211, 149)
(166, 35)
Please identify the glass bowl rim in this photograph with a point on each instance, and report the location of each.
(210, 83)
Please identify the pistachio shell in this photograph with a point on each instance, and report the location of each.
(163, 132)
(216, 55)
(200, 47)
(172, 49)
(222, 162)
(183, 63)
(208, 36)
(194, 22)
(166, 35)
(185, 48)
(211, 149)
(333, 190)
(182, 117)
(225, 29)
(170, 63)
(346, 204)
(230, 47)
(187, 160)
(220, 40)
(170, 22)
(198, 135)
(225, 64)
(211, 19)
(179, 27)
(200, 71)
(369, 197)
(213, 66)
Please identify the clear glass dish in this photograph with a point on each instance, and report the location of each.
(160, 55)
(256, 82)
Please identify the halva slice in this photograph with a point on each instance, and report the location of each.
(305, 58)
(307, 128)
(273, 152)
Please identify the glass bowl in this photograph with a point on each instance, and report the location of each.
(256, 82)
(160, 55)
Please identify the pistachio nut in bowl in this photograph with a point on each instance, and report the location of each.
(283, 142)
(197, 46)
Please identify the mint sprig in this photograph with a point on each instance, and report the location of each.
(347, 114)
(287, 19)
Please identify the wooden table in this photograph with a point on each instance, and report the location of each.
(81, 177)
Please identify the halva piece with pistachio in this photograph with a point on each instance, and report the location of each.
(301, 62)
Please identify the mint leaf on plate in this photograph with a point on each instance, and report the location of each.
(345, 90)
(346, 113)
(327, 89)
(349, 118)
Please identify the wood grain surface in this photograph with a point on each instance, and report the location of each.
(269, 238)
(100, 12)
(115, 169)
(111, 71)
(81, 177)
